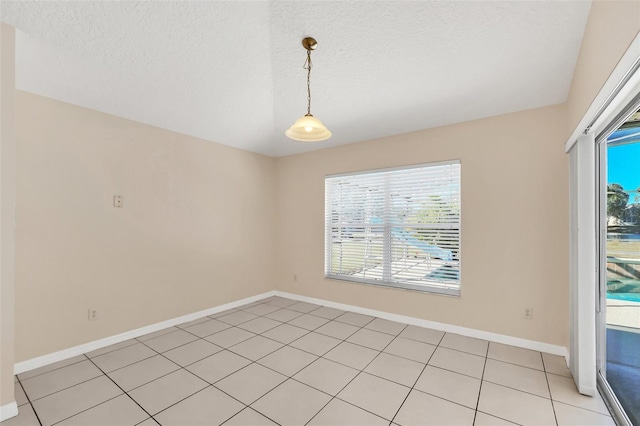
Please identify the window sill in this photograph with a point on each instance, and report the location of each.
(423, 289)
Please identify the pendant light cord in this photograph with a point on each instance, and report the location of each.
(307, 66)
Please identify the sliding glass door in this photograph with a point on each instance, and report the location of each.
(619, 248)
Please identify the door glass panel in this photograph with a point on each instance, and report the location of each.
(623, 266)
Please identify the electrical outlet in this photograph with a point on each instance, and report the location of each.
(528, 313)
(295, 278)
(93, 314)
(118, 201)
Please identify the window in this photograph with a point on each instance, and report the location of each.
(397, 227)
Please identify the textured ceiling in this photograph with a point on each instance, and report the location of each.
(231, 72)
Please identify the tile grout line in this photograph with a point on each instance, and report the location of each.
(133, 341)
(50, 371)
(369, 363)
(29, 401)
(553, 406)
(581, 408)
(517, 365)
(516, 389)
(498, 417)
(252, 409)
(146, 337)
(203, 389)
(444, 369)
(136, 340)
(283, 345)
(123, 391)
(354, 377)
(484, 368)
(129, 365)
(126, 392)
(362, 370)
(314, 361)
(357, 344)
(159, 353)
(364, 327)
(482, 380)
(242, 341)
(64, 389)
(209, 384)
(321, 356)
(418, 378)
(86, 409)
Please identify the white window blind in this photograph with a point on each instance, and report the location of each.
(396, 227)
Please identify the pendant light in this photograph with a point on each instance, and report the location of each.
(308, 128)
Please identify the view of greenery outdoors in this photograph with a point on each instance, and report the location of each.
(623, 266)
(623, 217)
(623, 237)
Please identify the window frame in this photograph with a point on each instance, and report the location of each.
(428, 287)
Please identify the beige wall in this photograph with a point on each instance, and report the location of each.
(7, 211)
(509, 161)
(195, 231)
(514, 223)
(611, 28)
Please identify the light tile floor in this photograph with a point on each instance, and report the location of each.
(279, 361)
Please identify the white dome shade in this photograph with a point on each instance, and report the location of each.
(308, 129)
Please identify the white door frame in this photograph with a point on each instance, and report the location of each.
(587, 259)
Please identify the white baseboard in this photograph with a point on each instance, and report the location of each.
(587, 390)
(43, 360)
(470, 332)
(7, 411)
